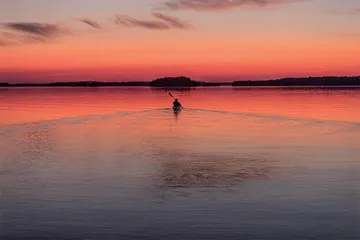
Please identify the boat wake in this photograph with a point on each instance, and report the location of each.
(275, 117)
(7, 129)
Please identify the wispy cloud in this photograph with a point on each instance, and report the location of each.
(44, 30)
(91, 23)
(164, 23)
(23, 32)
(133, 22)
(172, 21)
(214, 5)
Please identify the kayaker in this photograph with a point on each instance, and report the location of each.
(177, 104)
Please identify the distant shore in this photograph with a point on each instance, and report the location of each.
(187, 82)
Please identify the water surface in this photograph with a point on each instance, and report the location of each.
(236, 163)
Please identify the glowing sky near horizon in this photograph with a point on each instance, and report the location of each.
(213, 40)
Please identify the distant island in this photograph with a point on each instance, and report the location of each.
(310, 81)
(174, 82)
(188, 82)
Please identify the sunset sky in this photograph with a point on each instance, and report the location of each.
(211, 40)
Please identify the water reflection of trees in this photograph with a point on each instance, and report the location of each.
(187, 170)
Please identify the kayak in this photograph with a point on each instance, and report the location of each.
(176, 109)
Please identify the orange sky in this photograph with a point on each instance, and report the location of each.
(221, 46)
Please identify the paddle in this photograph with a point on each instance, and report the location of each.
(171, 95)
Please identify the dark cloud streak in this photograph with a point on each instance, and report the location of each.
(44, 30)
(30, 32)
(215, 5)
(132, 22)
(172, 21)
(91, 23)
(164, 23)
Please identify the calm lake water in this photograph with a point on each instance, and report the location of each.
(236, 163)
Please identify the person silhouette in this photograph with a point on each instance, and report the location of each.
(177, 105)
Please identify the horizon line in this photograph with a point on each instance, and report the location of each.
(286, 81)
(200, 81)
